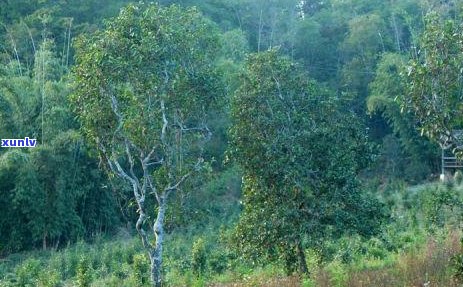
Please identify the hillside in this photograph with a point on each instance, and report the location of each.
(421, 245)
(231, 143)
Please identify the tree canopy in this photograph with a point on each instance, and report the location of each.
(435, 80)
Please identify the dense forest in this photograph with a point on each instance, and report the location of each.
(231, 143)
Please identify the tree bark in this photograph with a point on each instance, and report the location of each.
(140, 184)
(156, 252)
(302, 262)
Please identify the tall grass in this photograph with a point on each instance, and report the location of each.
(429, 265)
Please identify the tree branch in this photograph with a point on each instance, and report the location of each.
(164, 123)
(138, 191)
(171, 188)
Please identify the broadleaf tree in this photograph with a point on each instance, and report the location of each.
(300, 152)
(435, 81)
(143, 88)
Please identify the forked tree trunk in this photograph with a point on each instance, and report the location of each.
(141, 184)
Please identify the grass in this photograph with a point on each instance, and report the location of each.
(417, 247)
(430, 263)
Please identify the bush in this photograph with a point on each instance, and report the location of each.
(84, 273)
(50, 278)
(442, 205)
(198, 257)
(218, 261)
(338, 273)
(27, 273)
(141, 267)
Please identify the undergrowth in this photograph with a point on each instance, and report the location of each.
(420, 245)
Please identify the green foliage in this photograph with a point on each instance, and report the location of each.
(53, 193)
(400, 248)
(338, 273)
(361, 48)
(219, 259)
(405, 154)
(84, 273)
(216, 202)
(198, 257)
(141, 267)
(50, 278)
(234, 45)
(280, 142)
(176, 88)
(28, 273)
(26, 22)
(300, 145)
(140, 87)
(78, 264)
(434, 77)
(441, 205)
(457, 261)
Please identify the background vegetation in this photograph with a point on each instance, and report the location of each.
(346, 185)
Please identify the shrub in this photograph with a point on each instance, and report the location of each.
(28, 273)
(84, 273)
(198, 257)
(218, 260)
(140, 274)
(50, 278)
(338, 273)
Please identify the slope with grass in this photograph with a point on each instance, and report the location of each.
(420, 244)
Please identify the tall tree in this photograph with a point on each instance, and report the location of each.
(143, 89)
(300, 153)
(435, 81)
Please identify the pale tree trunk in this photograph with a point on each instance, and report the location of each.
(144, 183)
(156, 252)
